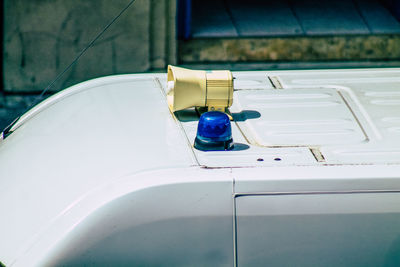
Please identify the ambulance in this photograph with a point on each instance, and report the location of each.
(207, 168)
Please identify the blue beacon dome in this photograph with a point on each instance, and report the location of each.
(214, 132)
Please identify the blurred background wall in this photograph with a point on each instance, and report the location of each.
(42, 37)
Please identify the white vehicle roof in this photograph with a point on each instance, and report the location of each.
(331, 123)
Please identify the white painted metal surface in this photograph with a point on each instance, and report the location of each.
(299, 117)
(84, 138)
(103, 173)
(318, 229)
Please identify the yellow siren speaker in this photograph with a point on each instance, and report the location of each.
(198, 88)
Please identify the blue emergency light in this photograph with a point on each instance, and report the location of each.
(214, 132)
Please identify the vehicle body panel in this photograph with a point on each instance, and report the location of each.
(103, 173)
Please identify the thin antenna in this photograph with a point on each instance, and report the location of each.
(6, 131)
(85, 49)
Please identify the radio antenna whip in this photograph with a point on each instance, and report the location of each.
(6, 131)
(85, 49)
